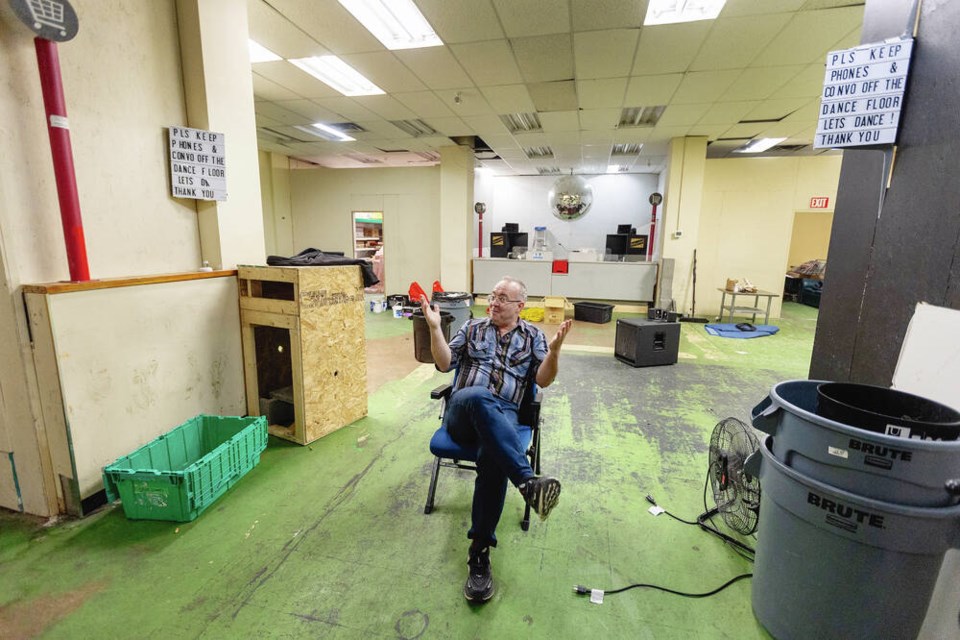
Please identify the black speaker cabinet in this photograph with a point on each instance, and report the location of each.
(646, 343)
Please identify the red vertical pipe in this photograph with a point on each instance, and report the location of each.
(56, 108)
(480, 236)
(653, 229)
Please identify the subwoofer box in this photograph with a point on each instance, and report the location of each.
(646, 343)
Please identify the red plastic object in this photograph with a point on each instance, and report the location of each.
(416, 291)
(561, 266)
(436, 287)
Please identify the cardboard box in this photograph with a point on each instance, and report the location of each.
(554, 308)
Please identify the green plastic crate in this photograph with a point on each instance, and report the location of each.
(179, 474)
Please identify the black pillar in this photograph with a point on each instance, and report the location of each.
(893, 247)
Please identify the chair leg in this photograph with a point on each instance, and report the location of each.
(525, 523)
(427, 508)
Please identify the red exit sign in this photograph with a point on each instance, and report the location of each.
(819, 203)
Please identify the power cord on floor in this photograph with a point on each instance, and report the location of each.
(678, 519)
(581, 590)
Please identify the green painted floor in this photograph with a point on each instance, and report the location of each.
(330, 540)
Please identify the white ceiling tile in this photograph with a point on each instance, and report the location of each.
(312, 110)
(784, 129)
(386, 107)
(755, 7)
(682, 114)
(669, 48)
(263, 120)
(513, 98)
(711, 131)
(471, 101)
(462, 20)
(751, 34)
(488, 63)
(485, 125)
(757, 83)
(560, 121)
(349, 108)
(503, 143)
(378, 129)
(632, 135)
(668, 133)
(727, 113)
(806, 84)
(775, 109)
(450, 126)
(554, 96)
(601, 94)
(384, 70)
(748, 130)
(327, 22)
(279, 114)
(435, 66)
(604, 54)
(273, 30)
(602, 119)
(648, 91)
(808, 35)
(588, 15)
(704, 86)
(424, 104)
(544, 58)
(300, 82)
(264, 89)
(597, 137)
(533, 17)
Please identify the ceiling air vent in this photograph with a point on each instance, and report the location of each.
(538, 152)
(548, 171)
(521, 122)
(363, 159)
(415, 128)
(641, 116)
(428, 156)
(625, 149)
(789, 148)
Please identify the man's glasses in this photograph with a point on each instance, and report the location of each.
(501, 299)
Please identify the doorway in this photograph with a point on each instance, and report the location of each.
(368, 243)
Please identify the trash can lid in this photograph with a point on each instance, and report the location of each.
(450, 296)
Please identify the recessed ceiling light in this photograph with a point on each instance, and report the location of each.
(259, 53)
(671, 11)
(398, 24)
(326, 132)
(758, 145)
(338, 74)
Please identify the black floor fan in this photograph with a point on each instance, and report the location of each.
(736, 492)
(693, 306)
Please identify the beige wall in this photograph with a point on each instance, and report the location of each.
(747, 217)
(810, 238)
(124, 85)
(322, 202)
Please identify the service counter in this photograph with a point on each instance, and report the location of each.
(626, 281)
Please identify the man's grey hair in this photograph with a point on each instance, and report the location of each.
(519, 283)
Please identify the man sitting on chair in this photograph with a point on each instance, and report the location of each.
(496, 358)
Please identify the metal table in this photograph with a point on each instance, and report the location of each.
(754, 310)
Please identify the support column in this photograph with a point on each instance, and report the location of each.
(681, 212)
(456, 217)
(219, 94)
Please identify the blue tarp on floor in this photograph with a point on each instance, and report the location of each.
(731, 330)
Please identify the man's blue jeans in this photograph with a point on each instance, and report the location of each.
(475, 416)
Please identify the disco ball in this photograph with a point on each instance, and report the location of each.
(570, 197)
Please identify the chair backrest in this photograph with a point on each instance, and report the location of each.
(529, 411)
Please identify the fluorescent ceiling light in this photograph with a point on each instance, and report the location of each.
(259, 53)
(398, 24)
(671, 11)
(338, 74)
(758, 145)
(326, 132)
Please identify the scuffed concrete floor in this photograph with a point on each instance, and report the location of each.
(330, 540)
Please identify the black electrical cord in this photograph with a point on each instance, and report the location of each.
(581, 590)
(678, 519)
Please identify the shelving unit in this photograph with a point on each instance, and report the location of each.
(367, 233)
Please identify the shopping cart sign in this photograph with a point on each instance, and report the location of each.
(50, 19)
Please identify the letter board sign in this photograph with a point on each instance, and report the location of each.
(863, 94)
(198, 166)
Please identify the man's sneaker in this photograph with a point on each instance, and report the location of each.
(479, 587)
(542, 494)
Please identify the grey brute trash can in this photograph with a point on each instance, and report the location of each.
(833, 564)
(421, 334)
(906, 471)
(456, 303)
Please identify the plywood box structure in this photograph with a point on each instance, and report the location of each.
(305, 356)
